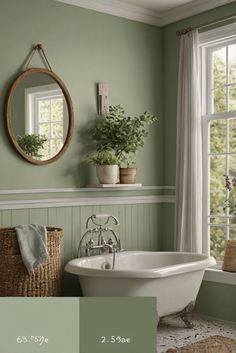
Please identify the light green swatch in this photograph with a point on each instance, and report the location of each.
(45, 325)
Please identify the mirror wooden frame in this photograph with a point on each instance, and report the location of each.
(8, 114)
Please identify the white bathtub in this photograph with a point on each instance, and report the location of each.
(173, 278)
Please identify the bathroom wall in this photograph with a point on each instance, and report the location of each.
(214, 299)
(83, 47)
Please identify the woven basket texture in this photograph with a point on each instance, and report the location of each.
(15, 281)
(229, 263)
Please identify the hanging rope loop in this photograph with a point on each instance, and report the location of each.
(39, 48)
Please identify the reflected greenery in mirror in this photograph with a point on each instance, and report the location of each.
(32, 144)
(39, 116)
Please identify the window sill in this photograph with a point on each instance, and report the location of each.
(215, 274)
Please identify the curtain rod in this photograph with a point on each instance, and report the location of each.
(206, 24)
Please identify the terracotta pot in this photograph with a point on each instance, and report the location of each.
(128, 175)
(107, 174)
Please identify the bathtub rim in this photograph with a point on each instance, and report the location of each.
(162, 272)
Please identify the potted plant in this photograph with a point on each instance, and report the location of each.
(107, 166)
(31, 144)
(124, 135)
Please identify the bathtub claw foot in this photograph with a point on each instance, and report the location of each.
(184, 314)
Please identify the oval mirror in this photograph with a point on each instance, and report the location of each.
(39, 116)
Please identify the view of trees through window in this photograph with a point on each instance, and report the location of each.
(50, 125)
(222, 144)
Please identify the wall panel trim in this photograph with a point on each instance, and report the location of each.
(85, 201)
(85, 189)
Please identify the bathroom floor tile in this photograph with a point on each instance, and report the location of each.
(172, 333)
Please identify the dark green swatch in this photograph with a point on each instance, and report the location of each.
(118, 325)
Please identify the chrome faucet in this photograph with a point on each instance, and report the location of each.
(100, 229)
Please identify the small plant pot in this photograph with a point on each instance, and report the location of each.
(128, 175)
(107, 174)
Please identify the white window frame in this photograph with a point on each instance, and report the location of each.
(209, 39)
(33, 94)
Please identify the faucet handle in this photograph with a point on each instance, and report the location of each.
(90, 243)
(107, 217)
(110, 241)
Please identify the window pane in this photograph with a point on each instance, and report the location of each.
(57, 109)
(219, 67)
(218, 220)
(218, 136)
(57, 131)
(232, 233)
(232, 135)
(217, 185)
(219, 100)
(232, 220)
(232, 63)
(56, 146)
(232, 165)
(232, 98)
(218, 242)
(44, 129)
(44, 110)
(46, 151)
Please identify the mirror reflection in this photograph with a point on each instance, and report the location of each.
(39, 116)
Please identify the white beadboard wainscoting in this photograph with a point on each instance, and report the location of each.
(141, 220)
(140, 216)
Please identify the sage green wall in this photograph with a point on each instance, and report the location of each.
(211, 296)
(217, 300)
(84, 47)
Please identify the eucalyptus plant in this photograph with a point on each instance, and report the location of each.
(31, 144)
(122, 133)
(105, 157)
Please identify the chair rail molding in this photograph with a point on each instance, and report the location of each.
(83, 189)
(85, 201)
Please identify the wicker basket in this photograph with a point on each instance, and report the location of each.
(15, 281)
(229, 263)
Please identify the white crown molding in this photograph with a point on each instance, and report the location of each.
(142, 14)
(120, 9)
(190, 9)
(86, 201)
(85, 189)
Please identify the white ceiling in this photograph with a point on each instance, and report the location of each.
(155, 12)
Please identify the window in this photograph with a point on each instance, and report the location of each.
(47, 115)
(218, 52)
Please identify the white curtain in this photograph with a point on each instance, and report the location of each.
(189, 148)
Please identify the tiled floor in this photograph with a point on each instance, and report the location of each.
(172, 332)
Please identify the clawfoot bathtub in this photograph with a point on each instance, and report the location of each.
(173, 278)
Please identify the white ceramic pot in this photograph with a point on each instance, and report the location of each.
(107, 174)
